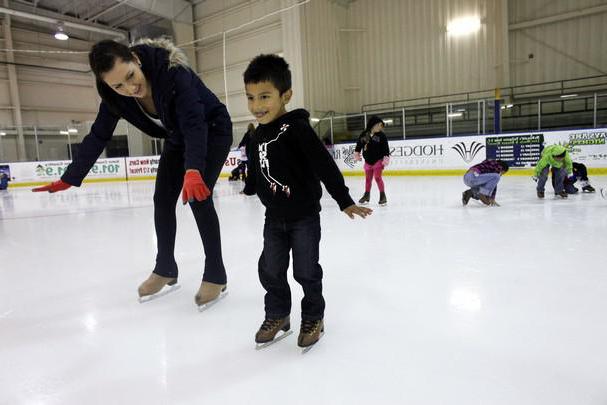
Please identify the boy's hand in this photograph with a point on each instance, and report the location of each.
(356, 210)
(534, 178)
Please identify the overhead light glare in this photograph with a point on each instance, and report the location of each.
(463, 26)
(568, 95)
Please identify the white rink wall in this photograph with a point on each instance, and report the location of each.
(450, 155)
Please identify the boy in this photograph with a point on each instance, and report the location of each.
(557, 157)
(579, 172)
(482, 180)
(288, 162)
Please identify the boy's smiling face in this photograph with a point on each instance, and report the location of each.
(265, 101)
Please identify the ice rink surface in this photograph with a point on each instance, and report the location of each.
(428, 302)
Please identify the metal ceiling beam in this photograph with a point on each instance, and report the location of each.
(107, 10)
(66, 22)
(125, 18)
(560, 17)
(179, 10)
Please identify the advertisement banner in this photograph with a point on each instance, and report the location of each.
(42, 172)
(426, 154)
(586, 146)
(232, 161)
(142, 167)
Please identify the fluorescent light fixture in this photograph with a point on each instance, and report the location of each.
(60, 33)
(463, 26)
(72, 130)
(509, 105)
(2, 133)
(455, 115)
(461, 110)
(315, 119)
(64, 132)
(389, 121)
(568, 95)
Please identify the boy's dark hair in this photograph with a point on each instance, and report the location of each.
(504, 165)
(269, 68)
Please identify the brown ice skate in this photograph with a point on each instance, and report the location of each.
(152, 288)
(209, 294)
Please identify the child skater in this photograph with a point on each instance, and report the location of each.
(375, 150)
(482, 180)
(557, 157)
(580, 172)
(287, 163)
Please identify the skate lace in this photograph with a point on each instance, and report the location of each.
(270, 324)
(309, 326)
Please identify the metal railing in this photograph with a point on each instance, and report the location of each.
(474, 117)
(510, 94)
(42, 143)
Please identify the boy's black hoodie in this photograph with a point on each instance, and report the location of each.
(288, 162)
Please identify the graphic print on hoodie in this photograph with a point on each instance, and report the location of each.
(264, 164)
(288, 165)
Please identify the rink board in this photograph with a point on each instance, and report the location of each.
(434, 156)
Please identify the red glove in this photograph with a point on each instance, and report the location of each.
(55, 186)
(194, 187)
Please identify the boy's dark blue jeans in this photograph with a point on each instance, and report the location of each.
(302, 237)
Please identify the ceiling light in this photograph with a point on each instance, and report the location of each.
(72, 130)
(314, 119)
(2, 133)
(64, 132)
(568, 95)
(463, 26)
(388, 121)
(60, 33)
(455, 115)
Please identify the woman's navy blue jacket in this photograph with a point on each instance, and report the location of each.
(189, 111)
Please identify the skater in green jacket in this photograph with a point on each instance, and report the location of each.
(557, 157)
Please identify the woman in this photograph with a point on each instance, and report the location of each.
(151, 86)
(375, 150)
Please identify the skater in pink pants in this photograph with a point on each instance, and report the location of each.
(375, 150)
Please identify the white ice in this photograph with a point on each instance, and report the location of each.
(428, 302)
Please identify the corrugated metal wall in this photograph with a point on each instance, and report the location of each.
(241, 46)
(325, 57)
(404, 51)
(562, 50)
(381, 50)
